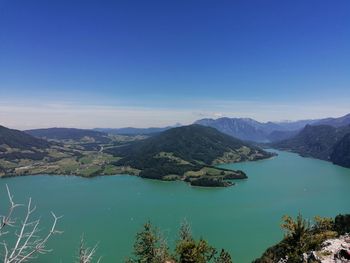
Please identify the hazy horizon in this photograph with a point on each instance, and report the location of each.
(64, 117)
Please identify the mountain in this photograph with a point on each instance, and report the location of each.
(244, 129)
(185, 152)
(316, 141)
(16, 144)
(341, 152)
(277, 136)
(294, 125)
(335, 122)
(135, 131)
(251, 130)
(20, 140)
(69, 134)
(24, 154)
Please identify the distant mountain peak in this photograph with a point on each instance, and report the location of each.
(252, 130)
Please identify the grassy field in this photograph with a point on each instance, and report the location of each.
(70, 157)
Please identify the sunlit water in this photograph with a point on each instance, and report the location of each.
(244, 219)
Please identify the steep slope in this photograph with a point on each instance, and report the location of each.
(341, 152)
(294, 125)
(184, 149)
(20, 140)
(335, 122)
(244, 129)
(16, 144)
(69, 134)
(251, 130)
(277, 136)
(314, 141)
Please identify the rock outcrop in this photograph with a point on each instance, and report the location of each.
(336, 250)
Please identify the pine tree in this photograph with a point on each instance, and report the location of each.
(224, 257)
(149, 246)
(190, 251)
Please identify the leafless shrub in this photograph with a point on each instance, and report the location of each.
(86, 255)
(28, 243)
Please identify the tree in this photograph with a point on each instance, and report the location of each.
(189, 250)
(296, 237)
(323, 224)
(185, 232)
(149, 246)
(28, 243)
(224, 257)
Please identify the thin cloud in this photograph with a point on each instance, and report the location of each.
(60, 114)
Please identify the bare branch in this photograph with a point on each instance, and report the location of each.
(7, 220)
(86, 255)
(28, 243)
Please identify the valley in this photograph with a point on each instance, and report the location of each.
(174, 154)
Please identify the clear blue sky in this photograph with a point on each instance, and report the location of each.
(160, 62)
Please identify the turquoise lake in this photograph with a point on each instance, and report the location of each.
(244, 219)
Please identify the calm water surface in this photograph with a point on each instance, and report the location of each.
(244, 219)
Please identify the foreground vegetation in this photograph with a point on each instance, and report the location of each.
(302, 237)
(299, 244)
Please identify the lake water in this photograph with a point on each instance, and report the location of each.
(244, 219)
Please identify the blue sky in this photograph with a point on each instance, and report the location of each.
(150, 63)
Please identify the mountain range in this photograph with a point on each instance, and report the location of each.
(252, 130)
(323, 142)
(246, 129)
(165, 153)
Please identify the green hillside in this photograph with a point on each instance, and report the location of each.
(314, 141)
(183, 153)
(17, 139)
(322, 142)
(187, 153)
